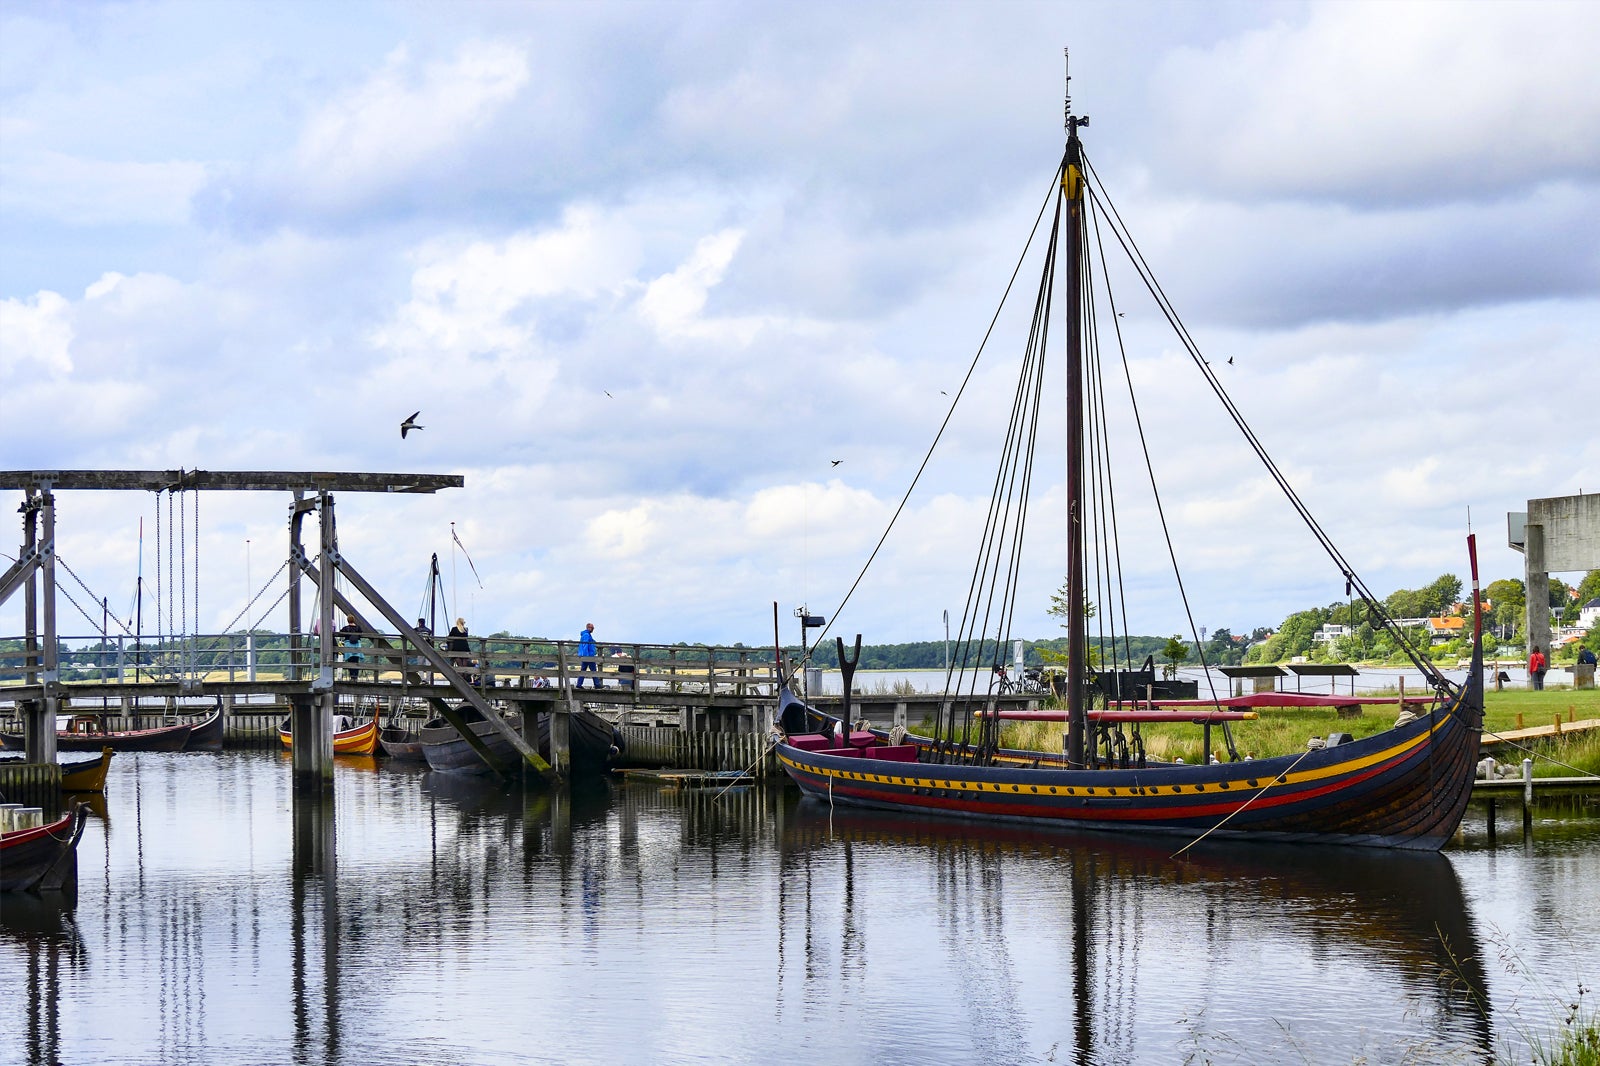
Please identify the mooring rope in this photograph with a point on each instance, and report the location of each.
(765, 752)
(1281, 777)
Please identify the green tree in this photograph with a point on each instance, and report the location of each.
(1588, 589)
(1058, 606)
(1175, 651)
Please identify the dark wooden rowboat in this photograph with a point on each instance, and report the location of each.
(595, 743)
(43, 859)
(206, 734)
(447, 752)
(401, 744)
(161, 738)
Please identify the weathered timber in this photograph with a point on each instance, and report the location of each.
(234, 480)
(445, 668)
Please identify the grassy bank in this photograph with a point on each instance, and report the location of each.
(1284, 731)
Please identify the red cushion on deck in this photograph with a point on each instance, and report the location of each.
(892, 753)
(862, 739)
(810, 742)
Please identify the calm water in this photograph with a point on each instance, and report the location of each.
(440, 921)
(1371, 679)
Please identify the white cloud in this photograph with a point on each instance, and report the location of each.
(673, 303)
(81, 191)
(1391, 101)
(403, 116)
(38, 331)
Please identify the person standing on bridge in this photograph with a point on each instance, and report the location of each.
(587, 654)
(1537, 665)
(459, 648)
(350, 637)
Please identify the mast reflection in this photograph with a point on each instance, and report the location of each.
(1134, 913)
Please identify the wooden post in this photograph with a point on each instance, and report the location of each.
(41, 747)
(561, 736)
(1519, 719)
(711, 671)
(1558, 725)
(1527, 798)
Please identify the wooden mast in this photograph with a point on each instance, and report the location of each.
(1077, 632)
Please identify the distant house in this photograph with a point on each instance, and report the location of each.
(1589, 613)
(1447, 628)
(1328, 633)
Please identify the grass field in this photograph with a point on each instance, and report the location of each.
(1284, 731)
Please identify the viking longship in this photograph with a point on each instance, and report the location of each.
(1406, 787)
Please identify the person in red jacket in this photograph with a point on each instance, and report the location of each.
(1537, 665)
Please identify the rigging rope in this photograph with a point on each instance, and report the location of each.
(1055, 183)
(1144, 445)
(259, 593)
(1141, 266)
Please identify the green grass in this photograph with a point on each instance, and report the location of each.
(1284, 731)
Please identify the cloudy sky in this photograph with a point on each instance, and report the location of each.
(647, 269)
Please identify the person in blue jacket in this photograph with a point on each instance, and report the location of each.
(588, 653)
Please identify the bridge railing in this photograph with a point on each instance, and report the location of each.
(391, 659)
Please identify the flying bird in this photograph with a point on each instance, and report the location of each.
(1230, 360)
(608, 395)
(410, 424)
(943, 393)
(836, 462)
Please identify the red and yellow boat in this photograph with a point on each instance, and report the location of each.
(357, 740)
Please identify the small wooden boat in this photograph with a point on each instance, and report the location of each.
(86, 733)
(44, 858)
(401, 744)
(448, 753)
(78, 775)
(87, 775)
(594, 742)
(206, 734)
(355, 740)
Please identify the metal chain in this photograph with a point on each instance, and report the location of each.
(259, 593)
(90, 593)
(158, 566)
(181, 586)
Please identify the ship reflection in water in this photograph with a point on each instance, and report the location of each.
(413, 917)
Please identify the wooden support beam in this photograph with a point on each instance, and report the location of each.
(18, 573)
(443, 666)
(230, 480)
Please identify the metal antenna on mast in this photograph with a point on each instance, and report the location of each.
(1069, 122)
(1066, 67)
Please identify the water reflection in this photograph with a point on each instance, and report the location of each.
(1140, 927)
(412, 917)
(41, 930)
(315, 928)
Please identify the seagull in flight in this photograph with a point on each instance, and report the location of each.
(836, 462)
(608, 395)
(410, 424)
(1230, 360)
